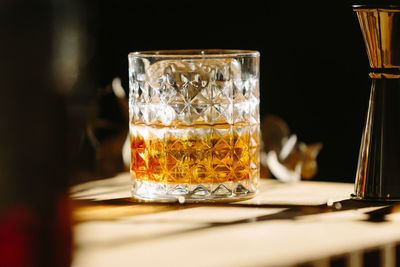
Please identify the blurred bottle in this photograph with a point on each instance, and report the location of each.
(40, 60)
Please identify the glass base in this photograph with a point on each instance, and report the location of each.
(192, 193)
(368, 199)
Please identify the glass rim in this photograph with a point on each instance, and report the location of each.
(392, 7)
(195, 53)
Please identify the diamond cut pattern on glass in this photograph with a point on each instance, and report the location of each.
(196, 91)
(196, 155)
(200, 191)
(194, 128)
(222, 190)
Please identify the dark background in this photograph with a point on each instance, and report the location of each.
(314, 67)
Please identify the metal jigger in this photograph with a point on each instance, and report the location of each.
(378, 171)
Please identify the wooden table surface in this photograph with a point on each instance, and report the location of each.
(306, 223)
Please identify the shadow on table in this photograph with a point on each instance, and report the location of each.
(289, 212)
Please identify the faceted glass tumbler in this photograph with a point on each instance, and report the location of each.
(194, 125)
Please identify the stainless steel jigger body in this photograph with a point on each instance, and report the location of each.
(378, 170)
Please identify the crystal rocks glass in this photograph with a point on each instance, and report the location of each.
(194, 125)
